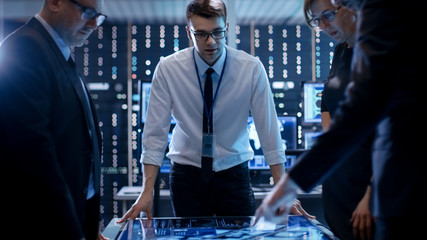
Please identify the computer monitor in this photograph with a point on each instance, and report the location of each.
(288, 132)
(287, 128)
(312, 99)
(145, 89)
(310, 138)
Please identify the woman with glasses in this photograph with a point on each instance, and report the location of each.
(346, 192)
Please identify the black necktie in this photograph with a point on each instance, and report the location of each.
(207, 161)
(208, 100)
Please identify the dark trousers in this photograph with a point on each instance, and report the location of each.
(91, 224)
(401, 228)
(228, 193)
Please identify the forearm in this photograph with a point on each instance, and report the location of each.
(326, 120)
(149, 177)
(277, 171)
(367, 195)
(144, 202)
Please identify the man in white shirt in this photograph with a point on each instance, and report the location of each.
(210, 148)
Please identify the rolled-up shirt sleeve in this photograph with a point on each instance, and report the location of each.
(265, 117)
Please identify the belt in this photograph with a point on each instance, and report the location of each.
(193, 168)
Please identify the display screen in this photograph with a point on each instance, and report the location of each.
(312, 98)
(145, 96)
(310, 138)
(297, 227)
(288, 132)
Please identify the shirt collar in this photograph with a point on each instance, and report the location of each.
(203, 66)
(65, 49)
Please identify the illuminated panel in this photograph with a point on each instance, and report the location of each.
(243, 36)
(312, 93)
(310, 138)
(145, 96)
(287, 127)
(285, 52)
(288, 132)
(324, 53)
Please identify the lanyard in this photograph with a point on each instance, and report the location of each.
(208, 113)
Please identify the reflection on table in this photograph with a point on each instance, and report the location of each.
(297, 227)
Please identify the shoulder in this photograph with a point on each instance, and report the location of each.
(17, 37)
(175, 64)
(28, 52)
(246, 63)
(25, 42)
(241, 56)
(180, 57)
(239, 59)
(31, 32)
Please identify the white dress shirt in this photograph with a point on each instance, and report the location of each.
(175, 92)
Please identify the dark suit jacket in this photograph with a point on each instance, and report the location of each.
(45, 146)
(388, 98)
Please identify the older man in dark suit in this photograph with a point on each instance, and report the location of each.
(50, 141)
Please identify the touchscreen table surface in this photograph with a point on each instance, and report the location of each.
(298, 227)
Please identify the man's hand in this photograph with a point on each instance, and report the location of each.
(144, 203)
(277, 204)
(277, 172)
(101, 237)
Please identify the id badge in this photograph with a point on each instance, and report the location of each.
(208, 145)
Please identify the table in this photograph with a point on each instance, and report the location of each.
(297, 227)
(131, 193)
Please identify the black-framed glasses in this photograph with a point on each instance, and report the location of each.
(89, 13)
(203, 36)
(327, 16)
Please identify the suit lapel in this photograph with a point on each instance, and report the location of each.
(91, 119)
(37, 26)
(74, 78)
(71, 70)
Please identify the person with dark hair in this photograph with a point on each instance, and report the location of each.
(346, 192)
(386, 96)
(50, 142)
(209, 90)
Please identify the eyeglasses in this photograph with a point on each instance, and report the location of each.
(89, 13)
(336, 2)
(327, 16)
(203, 36)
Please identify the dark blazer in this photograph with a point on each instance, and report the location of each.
(389, 98)
(45, 147)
